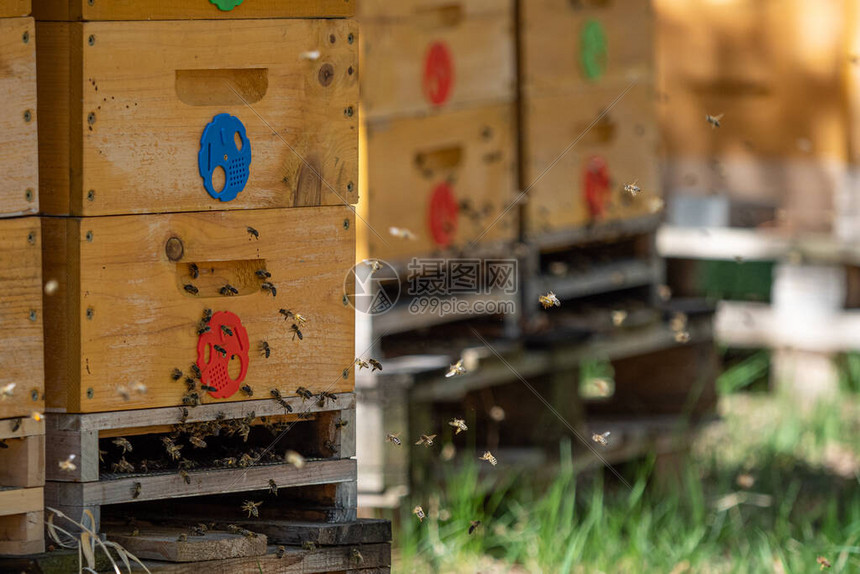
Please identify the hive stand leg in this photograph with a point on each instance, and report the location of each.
(84, 444)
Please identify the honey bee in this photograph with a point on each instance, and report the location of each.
(294, 458)
(208, 388)
(355, 555)
(488, 456)
(176, 374)
(678, 322)
(374, 365)
(190, 384)
(253, 232)
(455, 369)
(6, 390)
(823, 563)
(601, 438)
(308, 545)
(327, 396)
(282, 550)
(665, 292)
(251, 508)
(247, 533)
(227, 330)
(304, 393)
(473, 525)
(296, 332)
(67, 464)
(185, 476)
(220, 350)
(459, 425)
(361, 364)
(549, 300)
(122, 391)
(632, 189)
(207, 316)
(262, 274)
(265, 349)
(233, 529)
(204, 329)
(426, 440)
(197, 442)
(3, 443)
(682, 337)
(228, 462)
(245, 461)
(192, 399)
(135, 531)
(419, 512)
(340, 423)
(247, 390)
(122, 466)
(135, 490)
(16, 424)
(191, 289)
(276, 394)
(193, 270)
(402, 233)
(714, 120)
(618, 317)
(123, 444)
(36, 416)
(273, 486)
(268, 286)
(228, 290)
(374, 265)
(182, 538)
(198, 530)
(393, 438)
(173, 450)
(102, 454)
(331, 446)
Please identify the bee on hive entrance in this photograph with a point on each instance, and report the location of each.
(135, 490)
(296, 332)
(185, 476)
(193, 270)
(488, 456)
(204, 329)
(16, 424)
(549, 300)
(304, 393)
(228, 290)
(227, 330)
(419, 512)
(173, 450)
(473, 525)
(714, 120)
(267, 286)
(198, 530)
(374, 365)
(176, 374)
(459, 425)
(122, 466)
(251, 508)
(282, 550)
(355, 555)
(265, 349)
(331, 446)
(273, 486)
(601, 438)
(191, 399)
(340, 423)
(123, 444)
(182, 538)
(208, 388)
(262, 274)
(327, 396)
(426, 440)
(245, 461)
(294, 458)
(253, 232)
(196, 441)
(67, 464)
(247, 390)
(190, 384)
(309, 545)
(455, 369)
(393, 438)
(191, 289)
(220, 350)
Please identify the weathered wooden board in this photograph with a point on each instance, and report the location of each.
(22, 534)
(126, 105)
(22, 461)
(431, 61)
(577, 162)
(14, 8)
(569, 45)
(189, 9)
(161, 543)
(21, 317)
(296, 533)
(19, 160)
(122, 316)
(464, 160)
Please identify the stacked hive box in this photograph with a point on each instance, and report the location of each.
(22, 434)
(198, 159)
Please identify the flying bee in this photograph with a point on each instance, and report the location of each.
(251, 508)
(374, 265)
(247, 390)
(227, 330)
(618, 317)
(262, 274)
(294, 458)
(393, 438)
(632, 189)
(309, 545)
(488, 456)
(192, 399)
(265, 349)
(16, 424)
(678, 322)
(426, 440)
(473, 525)
(67, 464)
(455, 369)
(823, 562)
(355, 555)
(208, 388)
(419, 512)
(36, 416)
(549, 300)
(102, 454)
(173, 450)
(185, 476)
(361, 364)
(228, 290)
(304, 393)
(123, 444)
(714, 120)
(182, 538)
(268, 286)
(193, 270)
(296, 332)
(340, 423)
(176, 374)
(197, 442)
(282, 550)
(122, 466)
(459, 425)
(135, 490)
(665, 292)
(273, 486)
(135, 531)
(374, 365)
(331, 446)
(253, 232)
(601, 438)
(220, 350)
(191, 289)
(682, 337)
(6, 390)
(402, 233)
(122, 391)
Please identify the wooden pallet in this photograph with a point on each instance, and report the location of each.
(327, 478)
(189, 10)
(22, 524)
(22, 479)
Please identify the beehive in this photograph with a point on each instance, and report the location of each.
(190, 9)
(14, 8)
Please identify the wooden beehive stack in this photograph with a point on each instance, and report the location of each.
(199, 162)
(22, 401)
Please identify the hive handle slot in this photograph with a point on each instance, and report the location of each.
(226, 87)
(438, 160)
(446, 16)
(603, 132)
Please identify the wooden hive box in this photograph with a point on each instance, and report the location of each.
(18, 133)
(14, 8)
(445, 178)
(386, 10)
(190, 9)
(123, 318)
(567, 45)
(126, 105)
(21, 317)
(438, 57)
(575, 172)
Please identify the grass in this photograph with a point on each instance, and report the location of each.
(804, 502)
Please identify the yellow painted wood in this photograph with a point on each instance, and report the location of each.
(19, 162)
(14, 8)
(627, 139)
(127, 103)
(144, 324)
(189, 9)
(407, 159)
(21, 317)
